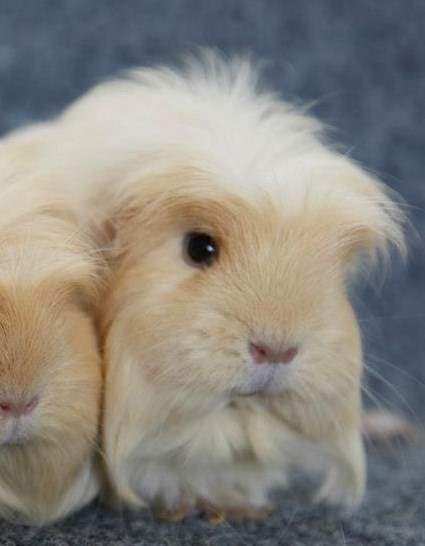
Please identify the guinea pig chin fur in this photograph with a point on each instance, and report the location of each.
(204, 150)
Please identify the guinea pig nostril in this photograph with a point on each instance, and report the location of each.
(32, 404)
(258, 352)
(6, 407)
(288, 355)
(17, 409)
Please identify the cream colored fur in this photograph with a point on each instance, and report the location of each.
(49, 281)
(165, 153)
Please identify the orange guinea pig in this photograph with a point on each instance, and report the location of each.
(50, 377)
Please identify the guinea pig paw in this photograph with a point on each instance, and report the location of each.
(213, 514)
(217, 515)
(382, 427)
(338, 492)
(179, 512)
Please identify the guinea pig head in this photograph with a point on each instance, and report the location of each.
(49, 374)
(221, 294)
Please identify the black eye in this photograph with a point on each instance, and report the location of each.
(201, 249)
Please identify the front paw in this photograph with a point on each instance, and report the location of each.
(217, 514)
(179, 512)
(345, 483)
(341, 491)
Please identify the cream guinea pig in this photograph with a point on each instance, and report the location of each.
(50, 378)
(231, 347)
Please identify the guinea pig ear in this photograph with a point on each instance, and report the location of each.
(111, 233)
(374, 222)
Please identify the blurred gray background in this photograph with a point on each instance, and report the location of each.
(363, 63)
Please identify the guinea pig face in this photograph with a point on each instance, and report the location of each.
(225, 296)
(48, 367)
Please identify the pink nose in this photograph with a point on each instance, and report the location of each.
(17, 409)
(262, 353)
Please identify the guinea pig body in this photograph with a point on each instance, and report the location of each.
(50, 376)
(231, 348)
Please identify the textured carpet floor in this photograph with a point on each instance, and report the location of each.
(393, 515)
(364, 64)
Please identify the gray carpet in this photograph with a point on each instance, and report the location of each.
(364, 64)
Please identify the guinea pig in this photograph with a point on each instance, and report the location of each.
(50, 375)
(229, 329)
(231, 348)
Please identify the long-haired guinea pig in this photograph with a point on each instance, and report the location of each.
(49, 365)
(231, 347)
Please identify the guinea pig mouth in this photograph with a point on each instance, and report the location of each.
(14, 432)
(260, 379)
